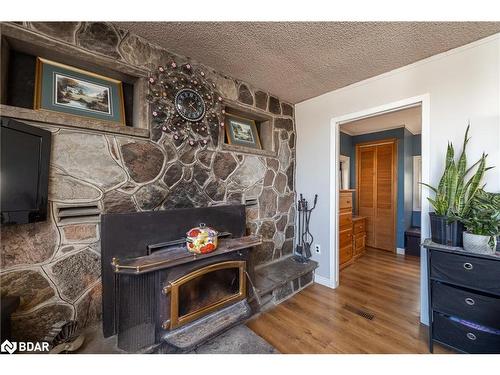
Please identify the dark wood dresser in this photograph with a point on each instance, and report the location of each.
(464, 299)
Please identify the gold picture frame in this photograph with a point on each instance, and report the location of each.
(66, 89)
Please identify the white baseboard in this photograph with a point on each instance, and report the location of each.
(400, 251)
(324, 281)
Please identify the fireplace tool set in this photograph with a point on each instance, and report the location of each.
(305, 238)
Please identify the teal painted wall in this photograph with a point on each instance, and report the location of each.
(345, 144)
(417, 150)
(408, 180)
(405, 171)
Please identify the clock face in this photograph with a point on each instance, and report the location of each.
(190, 105)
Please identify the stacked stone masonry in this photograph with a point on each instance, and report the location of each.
(54, 266)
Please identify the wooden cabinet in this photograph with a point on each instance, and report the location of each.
(352, 231)
(345, 220)
(345, 227)
(345, 200)
(359, 235)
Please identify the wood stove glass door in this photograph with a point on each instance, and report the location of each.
(205, 290)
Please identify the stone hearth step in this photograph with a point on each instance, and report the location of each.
(279, 280)
(199, 331)
(237, 340)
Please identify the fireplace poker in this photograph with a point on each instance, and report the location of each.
(305, 238)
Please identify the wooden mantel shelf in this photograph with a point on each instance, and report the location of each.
(70, 121)
(178, 255)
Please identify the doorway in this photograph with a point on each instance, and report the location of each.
(422, 102)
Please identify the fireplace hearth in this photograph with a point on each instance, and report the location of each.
(151, 300)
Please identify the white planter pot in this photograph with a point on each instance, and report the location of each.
(476, 243)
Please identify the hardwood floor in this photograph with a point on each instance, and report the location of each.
(323, 320)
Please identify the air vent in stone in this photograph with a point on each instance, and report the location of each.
(363, 313)
(86, 212)
(250, 202)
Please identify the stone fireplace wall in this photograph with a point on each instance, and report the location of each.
(54, 266)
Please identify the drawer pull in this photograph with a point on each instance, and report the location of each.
(471, 336)
(470, 301)
(468, 266)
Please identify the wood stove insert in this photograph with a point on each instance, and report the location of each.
(145, 296)
(205, 290)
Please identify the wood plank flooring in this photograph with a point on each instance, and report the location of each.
(324, 320)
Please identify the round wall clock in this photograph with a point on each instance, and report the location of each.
(185, 104)
(190, 105)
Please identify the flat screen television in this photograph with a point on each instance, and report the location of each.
(24, 173)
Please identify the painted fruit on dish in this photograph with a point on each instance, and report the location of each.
(201, 240)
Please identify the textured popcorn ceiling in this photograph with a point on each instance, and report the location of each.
(410, 118)
(301, 60)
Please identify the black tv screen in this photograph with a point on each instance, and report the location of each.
(25, 158)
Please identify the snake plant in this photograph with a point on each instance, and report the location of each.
(454, 196)
(484, 216)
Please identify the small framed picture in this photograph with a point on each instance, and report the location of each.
(242, 131)
(66, 89)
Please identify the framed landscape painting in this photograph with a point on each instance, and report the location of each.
(66, 89)
(241, 131)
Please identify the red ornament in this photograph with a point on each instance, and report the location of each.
(194, 233)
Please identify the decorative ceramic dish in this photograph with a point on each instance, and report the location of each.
(201, 240)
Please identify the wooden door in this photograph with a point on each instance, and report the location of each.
(365, 180)
(376, 191)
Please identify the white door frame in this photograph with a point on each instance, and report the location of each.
(424, 101)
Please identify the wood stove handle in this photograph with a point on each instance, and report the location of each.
(167, 289)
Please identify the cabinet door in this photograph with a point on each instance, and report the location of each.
(345, 254)
(359, 243)
(345, 245)
(345, 237)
